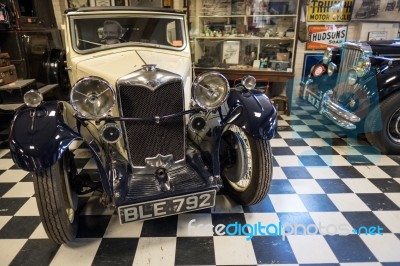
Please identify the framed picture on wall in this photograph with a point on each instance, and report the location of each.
(377, 35)
(78, 3)
(103, 2)
(230, 52)
(119, 3)
(376, 11)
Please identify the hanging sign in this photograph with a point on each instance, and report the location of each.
(320, 36)
(329, 10)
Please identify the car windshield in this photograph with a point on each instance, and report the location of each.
(96, 33)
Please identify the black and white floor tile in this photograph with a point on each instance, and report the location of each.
(323, 177)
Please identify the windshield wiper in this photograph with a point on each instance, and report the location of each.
(95, 43)
(147, 44)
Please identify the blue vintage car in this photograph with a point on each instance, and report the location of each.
(357, 86)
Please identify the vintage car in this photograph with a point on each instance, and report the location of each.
(368, 8)
(357, 86)
(390, 5)
(163, 143)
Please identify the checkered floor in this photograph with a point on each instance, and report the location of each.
(322, 176)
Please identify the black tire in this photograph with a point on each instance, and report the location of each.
(54, 67)
(51, 190)
(246, 165)
(383, 126)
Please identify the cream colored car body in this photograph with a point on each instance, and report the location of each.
(123, 59)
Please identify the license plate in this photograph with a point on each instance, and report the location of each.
(312, 99)
(165, 207)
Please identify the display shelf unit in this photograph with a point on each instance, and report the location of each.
(239, 37)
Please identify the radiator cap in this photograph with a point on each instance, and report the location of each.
(150, 67)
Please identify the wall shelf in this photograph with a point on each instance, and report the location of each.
(237, 37)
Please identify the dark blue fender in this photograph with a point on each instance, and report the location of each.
(252, 111)
(37, 143)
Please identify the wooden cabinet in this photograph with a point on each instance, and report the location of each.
(242, 37)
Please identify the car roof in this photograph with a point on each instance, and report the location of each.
(123, 8)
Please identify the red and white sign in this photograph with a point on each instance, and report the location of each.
(320, 36)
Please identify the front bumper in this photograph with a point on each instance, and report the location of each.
(327, 107)
(161, 178)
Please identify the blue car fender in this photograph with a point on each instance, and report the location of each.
(39, 136)
(253, 112)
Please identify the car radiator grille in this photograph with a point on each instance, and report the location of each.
(148, 139)
(350, 56)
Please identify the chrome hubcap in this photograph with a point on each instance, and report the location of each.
(393, 128)
(239, 174)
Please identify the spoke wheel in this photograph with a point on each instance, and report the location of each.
(383, 125)
(246, 165)
(393, 129)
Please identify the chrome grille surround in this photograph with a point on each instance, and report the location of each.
(338, 104)
(151, 93)
(350, 54)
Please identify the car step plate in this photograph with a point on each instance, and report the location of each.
(165, 207)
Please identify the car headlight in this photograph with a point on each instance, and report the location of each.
(92, 97)
(33, 98)
(210, 90)
(249, 82)
(352, 78)
(327, 55)
(363, 66)
(318, 70)
(332, 67)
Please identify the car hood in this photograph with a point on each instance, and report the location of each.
(116, 64)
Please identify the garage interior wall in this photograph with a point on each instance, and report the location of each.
(356, 31)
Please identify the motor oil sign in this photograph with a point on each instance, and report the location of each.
(329, 10)
(320, 36)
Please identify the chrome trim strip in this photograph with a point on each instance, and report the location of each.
(363, 47)
(336, 113)
(336, 109)
(151, 80)
(340, 122)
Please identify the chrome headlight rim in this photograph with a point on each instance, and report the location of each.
(249, 82)
(327, 57)
(332, 68)
(352, 77)
(363, 66)
(111, 125)
(87, 115)
(197, 82)
(35, 101)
